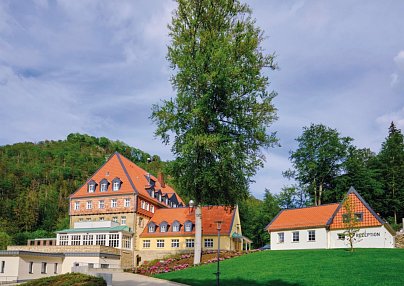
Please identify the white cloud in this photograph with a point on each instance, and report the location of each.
(396, 116)
(399, 60)
(394, 79)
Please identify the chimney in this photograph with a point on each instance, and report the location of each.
(161, 180)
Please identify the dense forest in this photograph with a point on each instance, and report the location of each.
(36, 180)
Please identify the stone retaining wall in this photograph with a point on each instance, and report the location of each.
(400, 240)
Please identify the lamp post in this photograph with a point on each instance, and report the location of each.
(218, 227)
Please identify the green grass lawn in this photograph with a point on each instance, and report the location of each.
(301, 267)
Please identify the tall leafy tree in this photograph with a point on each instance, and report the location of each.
(391, 164)
(222, 110)
(319, 159)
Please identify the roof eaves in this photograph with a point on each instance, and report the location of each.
(272, 221)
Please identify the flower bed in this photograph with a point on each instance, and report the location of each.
(182, 261)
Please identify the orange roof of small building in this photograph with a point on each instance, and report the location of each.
(330, 215)
(303, 217)
(210, 214)
(134, 180)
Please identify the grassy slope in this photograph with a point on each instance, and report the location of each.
(302, 267)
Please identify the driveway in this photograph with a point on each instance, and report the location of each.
(126, 279)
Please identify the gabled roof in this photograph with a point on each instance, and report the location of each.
(210, 215)
(302, 218)
(134, 180)
(330, 215)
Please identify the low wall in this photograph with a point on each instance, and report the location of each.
(400, 240)
(66, 248)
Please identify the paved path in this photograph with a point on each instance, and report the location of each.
(128, 279)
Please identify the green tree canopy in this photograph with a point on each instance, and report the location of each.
(222, 111)
(391, 165)
(319, 159)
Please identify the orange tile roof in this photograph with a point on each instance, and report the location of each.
(326, 216)
(302, 218)
(210, 215)
(134, 180)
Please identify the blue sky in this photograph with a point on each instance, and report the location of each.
(96, 67)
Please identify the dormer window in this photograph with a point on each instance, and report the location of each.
(91, 186)
(152, 193)
(116, 184)
(188, 226)
(104, 185)
(163, 226)
(152, 227)
(159, 197)
(176, 226)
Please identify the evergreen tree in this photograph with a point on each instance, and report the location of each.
(391, 164)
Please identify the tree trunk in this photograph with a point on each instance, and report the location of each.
(198, 235)
(320, 192)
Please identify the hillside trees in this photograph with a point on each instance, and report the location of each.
(36, 179)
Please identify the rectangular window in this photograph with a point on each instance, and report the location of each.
(101, 204)
(358, 217)
(147, 206)
(188, 227)
(295, 236)
(44, 267)
(89, 205)
(63, 240)
(312, 235)
(345, 218)
(160, 243)
(31, 267)
(123, 220)
(176, 227)
(115, 219)
(208, 242)
(76, 205)
(126, 241)
(102, 218)
(281, 237)
(143, 204)
(152, 208)
(75, 239)
(2, 266)
(163, 228)
(113, 203)
(151, 228)
(103, 187)
(88, 219)
(55, 270)
(146, 243)
(141, 223)
(189, 243)
(88, 239)
(175, 243)
(127, 203)
(100, 239)
(116, 186)
(113, 240)
(91, 188)
(341, 236)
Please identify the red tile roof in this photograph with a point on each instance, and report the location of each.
(134, 180)
(210, 215)
(302, 218)
(326, 216)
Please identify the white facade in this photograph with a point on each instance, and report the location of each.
(320, 239)
(372, 237)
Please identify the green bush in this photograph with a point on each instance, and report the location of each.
(69, 279)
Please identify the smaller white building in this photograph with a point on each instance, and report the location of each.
(324, 227)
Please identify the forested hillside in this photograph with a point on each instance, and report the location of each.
(36, 180)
